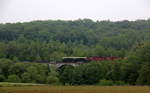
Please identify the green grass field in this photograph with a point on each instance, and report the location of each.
(74, 89)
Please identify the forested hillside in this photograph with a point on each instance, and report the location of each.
(42, 41)
(51, 40)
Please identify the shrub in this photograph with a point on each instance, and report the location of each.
(2, 78)
(52, 80)
(120, 83)
(106, 82)
(14, 78)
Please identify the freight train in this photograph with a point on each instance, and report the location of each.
(87, 59)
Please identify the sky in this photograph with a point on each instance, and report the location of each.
(113, 10)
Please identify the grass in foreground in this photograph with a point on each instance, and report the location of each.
(76, 89)
(8, 84)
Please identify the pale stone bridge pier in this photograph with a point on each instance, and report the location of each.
(60, 64)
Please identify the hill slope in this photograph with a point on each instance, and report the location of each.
(50, 40)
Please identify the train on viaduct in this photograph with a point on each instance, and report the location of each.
(75, 61)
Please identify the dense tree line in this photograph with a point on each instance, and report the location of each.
(46, 41)
(133, 70)
(50, 40)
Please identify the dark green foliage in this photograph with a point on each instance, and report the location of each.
(144, 77)
(91, 73)
(84, 74)
(51, 40)
(4, 66)
(129, 72)
(2, 78)
(53, 76)
(17, 69)
(52, 80)
(143, 52)
(36, 73)
(106, 82)
(114, 72)
(67, 74)
(14, 78)
(26, 78)
(120, 83)
(23, 72)
(46, 41)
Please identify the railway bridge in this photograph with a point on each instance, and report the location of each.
(71, 61)
(75, 61)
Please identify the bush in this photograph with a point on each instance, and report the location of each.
(144, 75)
(106, 82)
(2, 78)
(120, 83)
(26, 78)
(52, 80)
(14, 79)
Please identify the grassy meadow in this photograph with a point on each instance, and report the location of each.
(76, 89)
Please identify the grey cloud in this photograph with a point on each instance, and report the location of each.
(28, 10)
